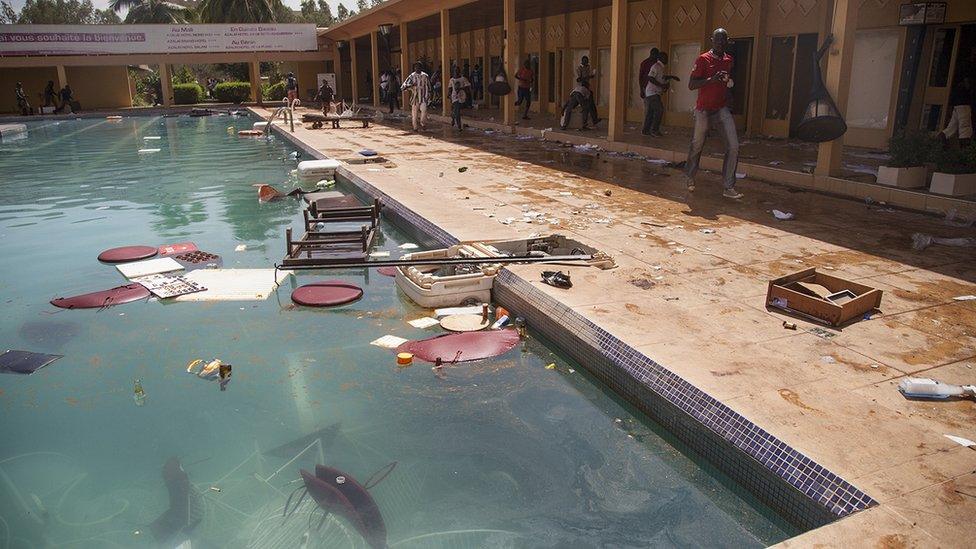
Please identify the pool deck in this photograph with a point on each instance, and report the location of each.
(693, 300)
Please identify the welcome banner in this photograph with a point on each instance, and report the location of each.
(19, 40)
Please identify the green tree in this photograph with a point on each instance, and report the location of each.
(153, 11)
(52, 12)
(107, 17)
(241, 11)
(320, 13)
(342, 12)
(362, 5)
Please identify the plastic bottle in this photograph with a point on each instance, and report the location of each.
(139, 394)
(520, 326)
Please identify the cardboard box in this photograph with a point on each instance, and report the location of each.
(830, 299)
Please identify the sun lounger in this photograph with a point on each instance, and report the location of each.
(318, 120)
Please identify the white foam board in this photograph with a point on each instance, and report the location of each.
(149, 267)
(234, 284)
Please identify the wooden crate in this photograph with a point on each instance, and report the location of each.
(787, 293)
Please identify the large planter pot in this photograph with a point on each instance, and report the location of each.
(905, 178)
(953, 184)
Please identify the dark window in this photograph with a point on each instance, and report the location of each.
(551, 77)
(941, 57)
(780, 77)
(931, 114)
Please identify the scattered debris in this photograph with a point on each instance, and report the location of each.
(462, 169)
(965, 298)
(423, 322)
(408, 246)
(789, 325)
(820, 332)
(642, 283)
(557, 279)
(388, 342)
(551, 366)
(926, 388)
(962, 442)
(707, 231)
(607, 192)
(776, 163)
(953, 219)
(240, 247)
(24, 362)
(920, 241)
(783, 216)
(740, 175)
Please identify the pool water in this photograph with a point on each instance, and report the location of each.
(500, 453)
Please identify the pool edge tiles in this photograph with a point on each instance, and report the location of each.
(802, 491)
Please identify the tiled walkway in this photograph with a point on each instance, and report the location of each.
(689, 293)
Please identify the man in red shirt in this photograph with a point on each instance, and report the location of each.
(711, 78)
(525, 77)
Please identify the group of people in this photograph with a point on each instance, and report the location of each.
(62, 100)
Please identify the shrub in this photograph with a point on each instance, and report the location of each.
(232, 92)
(274, 92)
(910, 148)
(954, 161)
(187, 94)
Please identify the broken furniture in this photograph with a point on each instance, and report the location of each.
(323, 244)
(318, 120)
(822, 297)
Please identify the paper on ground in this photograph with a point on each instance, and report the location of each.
(234, 284)
(961, 441)
(388, 342)
(408, 246)
(146, 151)
(472, 310)
(783, 216)
(425, 322)
(965, 298)
(379, 254)
(148, 267)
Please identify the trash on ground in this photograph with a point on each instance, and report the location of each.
(234, 284)
(240, 247)
(953, 219)
(607, 192)
(104, 298)
(776, 163)
(379, 253)
(388, 342)
(707, 231)
(920, 241)
(214, 489)
(152, 137)
(551, 366)
(462, 347)
(740, 175)
(930, 389)
(965, 298)
(462, 169)
(822, 297)
(408, 246)
(789, 325)
(446, 311)
(148, 267)
(962, 441)
(565, 193)
(24, 362)
(557, 279)
(783, 216)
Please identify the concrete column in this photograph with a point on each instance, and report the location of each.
(354, 67)
(337, 67)
(840, 57)
(760, 53)
(404, 60)
(255, 76)
(445, 61)
(509, 59)
(618, 70)
(375, 49)
(164, 78)
(62, 77)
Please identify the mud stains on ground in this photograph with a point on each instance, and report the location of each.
(794, 399)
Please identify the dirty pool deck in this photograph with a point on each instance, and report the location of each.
(693, 300)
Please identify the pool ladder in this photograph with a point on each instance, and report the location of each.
(287, 113)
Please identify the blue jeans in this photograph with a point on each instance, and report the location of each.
(703, 121)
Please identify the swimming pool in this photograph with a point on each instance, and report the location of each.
(499, 453)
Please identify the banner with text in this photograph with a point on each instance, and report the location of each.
(129, 39)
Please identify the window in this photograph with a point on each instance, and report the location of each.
(780, 77)
(552, 76)
(872, 76)
(682, 61)
(603, 77)
(942, 57)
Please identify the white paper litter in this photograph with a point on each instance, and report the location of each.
(660, 161)
(149, 267)
(961, 441)
(472, 310)
(151, 137)
(425, 322)
(565, 193)
(965, 298)
(147, 151)
(783, 216)
(234, 284)
(388, 342)
(240, 247)
(740, 175)
(379, 254)
(167, 286)
(707, 231)
(408, 246)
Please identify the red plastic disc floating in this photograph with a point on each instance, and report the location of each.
(462, 347)
(387, 271)
(104, 298)
(127, 253)
(330, 293)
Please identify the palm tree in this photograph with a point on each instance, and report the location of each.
(239, 11)
(152, 11)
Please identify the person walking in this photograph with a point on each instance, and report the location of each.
(584, 73)
(22, 103)
(477, 83)
(418, 82)
(525, 77)
(710, 76)
(291, 87)
(393, 93)
(326, 95)
(459, 88)
(50, 96)
(653, 84)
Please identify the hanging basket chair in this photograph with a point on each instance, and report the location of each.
(500, 85)
(821, 120)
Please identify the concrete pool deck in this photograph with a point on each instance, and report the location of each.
(694, 302)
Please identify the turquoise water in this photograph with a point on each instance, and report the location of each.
(500, 453)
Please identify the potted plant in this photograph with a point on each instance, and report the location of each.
(955, 172)
(909, 152)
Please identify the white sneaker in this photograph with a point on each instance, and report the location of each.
(732, 193)
(691, 184)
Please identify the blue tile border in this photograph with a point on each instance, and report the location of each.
(804, 492)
